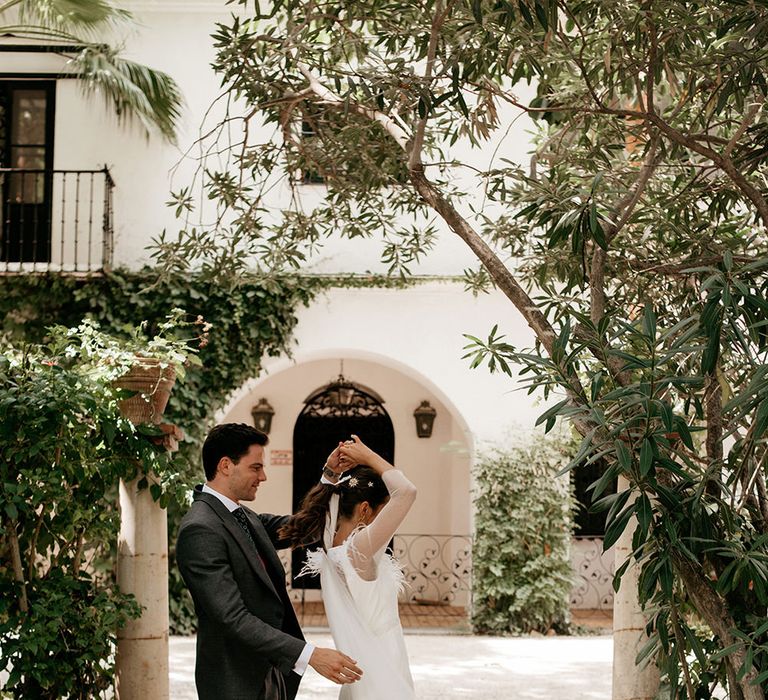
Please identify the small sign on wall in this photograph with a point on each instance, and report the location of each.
(281, 458)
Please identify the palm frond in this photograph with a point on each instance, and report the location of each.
(135, 91)
(38, 32)
(84, 16)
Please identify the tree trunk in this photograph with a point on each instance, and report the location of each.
(715, 613)
(630, 682)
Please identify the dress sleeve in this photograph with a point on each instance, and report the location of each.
(368, 541)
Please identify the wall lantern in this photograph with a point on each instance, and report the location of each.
(341, 393)
(425, 419)
(262, 414)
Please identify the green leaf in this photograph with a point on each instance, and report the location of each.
(618, 504)
(649, 322)
(646, 457)
(609, 501)
(681, 427)
(422, 108)
(666, 415)
(525, 12)
(761, 419)
(596, 386)
(605, 480)
(644, 513)
(623, 455)
(462, 104)
(552, 411)
(477, 11)
(596, 228)
(619, 573)
(614, 530)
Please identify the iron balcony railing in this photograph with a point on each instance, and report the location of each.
(56, 220)
(437, 568)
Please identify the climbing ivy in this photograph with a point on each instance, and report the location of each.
(250, 321)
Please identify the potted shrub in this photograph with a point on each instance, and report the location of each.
(144, 369)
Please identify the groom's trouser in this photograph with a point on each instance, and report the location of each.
(274, 686)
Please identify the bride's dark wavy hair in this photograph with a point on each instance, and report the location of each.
(306, 525)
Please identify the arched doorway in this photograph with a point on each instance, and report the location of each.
(330, 414)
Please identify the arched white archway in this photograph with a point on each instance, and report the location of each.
(439, 466)
(272, 366)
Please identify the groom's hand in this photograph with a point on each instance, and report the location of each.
(335, 666)
(333, 468)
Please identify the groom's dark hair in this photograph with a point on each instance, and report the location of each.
(231, 440)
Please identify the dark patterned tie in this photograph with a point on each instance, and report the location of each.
(242, 521)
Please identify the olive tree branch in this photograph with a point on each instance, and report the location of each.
(749, 118)
(18, 568)
(414, 158)
(723, 162)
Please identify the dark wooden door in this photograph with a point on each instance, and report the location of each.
(319, 428)
(26, 146)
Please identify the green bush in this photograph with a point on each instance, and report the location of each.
(253, 320)
(522, 573)
(63, 448)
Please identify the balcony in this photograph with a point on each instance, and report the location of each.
(56, 221)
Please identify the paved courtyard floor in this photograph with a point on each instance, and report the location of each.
(464, 667)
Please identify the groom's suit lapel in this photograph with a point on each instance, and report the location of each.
(235, 531)
(266, 548)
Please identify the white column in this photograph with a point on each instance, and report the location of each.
(630, 682)
(142, 569)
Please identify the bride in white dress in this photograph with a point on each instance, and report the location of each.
(356, 514)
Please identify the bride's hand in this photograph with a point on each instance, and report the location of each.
(355, 451)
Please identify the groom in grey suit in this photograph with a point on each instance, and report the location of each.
(249, 643)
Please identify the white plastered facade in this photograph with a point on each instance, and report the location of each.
(405, 343)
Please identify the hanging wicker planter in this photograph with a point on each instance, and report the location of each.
(152, 384)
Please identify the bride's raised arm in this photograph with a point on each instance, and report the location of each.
(402, 494)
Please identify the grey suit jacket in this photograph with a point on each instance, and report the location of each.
(246, 623)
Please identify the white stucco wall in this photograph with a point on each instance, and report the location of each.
(406, 344)
(174, 36)
(421, 328)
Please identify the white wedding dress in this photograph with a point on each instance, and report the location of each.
(360, 583)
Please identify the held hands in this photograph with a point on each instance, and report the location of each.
(354, 452)
(335, 666)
